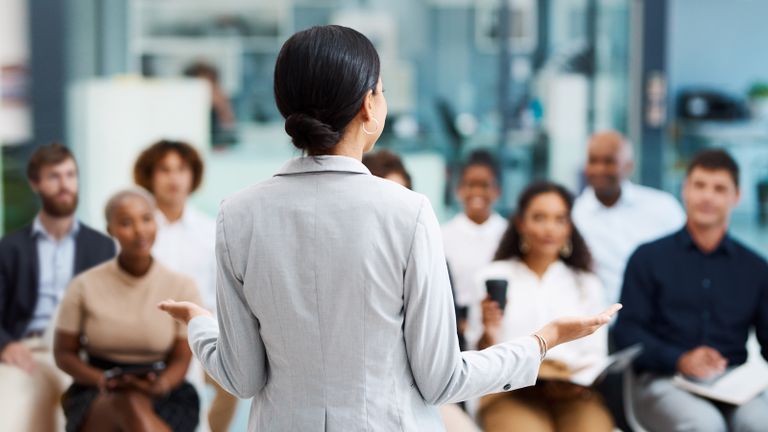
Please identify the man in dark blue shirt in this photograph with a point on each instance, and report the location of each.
(691, 299)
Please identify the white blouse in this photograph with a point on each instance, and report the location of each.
(469, 247)
(532, 302)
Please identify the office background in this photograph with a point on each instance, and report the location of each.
(528, 79)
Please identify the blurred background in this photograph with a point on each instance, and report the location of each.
(528, 79)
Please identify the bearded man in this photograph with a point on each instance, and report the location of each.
(36, 265)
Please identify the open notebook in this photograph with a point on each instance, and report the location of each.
(737, 386)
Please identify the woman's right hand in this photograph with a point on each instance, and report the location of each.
(492, 318)
(183, 311)
(564, 330)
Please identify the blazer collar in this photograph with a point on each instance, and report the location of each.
(314, 164)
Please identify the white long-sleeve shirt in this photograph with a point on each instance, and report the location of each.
(612, 233)
(532, 302)
(187, 246)
(468, 248)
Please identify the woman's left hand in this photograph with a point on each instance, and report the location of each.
(183, 311)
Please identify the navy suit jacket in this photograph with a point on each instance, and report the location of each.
(19, 274)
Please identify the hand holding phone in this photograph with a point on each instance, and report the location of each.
(145, 378)
(135, 371)
(497, 291)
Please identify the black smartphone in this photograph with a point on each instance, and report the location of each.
(461, 313)
(137, 371)
(497, 290)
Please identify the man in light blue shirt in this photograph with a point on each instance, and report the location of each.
(36, 265)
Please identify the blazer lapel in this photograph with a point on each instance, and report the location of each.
(31, 251)
(79, 251)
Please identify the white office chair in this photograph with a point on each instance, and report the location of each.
(629, 403)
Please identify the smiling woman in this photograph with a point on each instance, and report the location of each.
(112, 307)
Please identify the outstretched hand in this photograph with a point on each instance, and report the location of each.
(182, 311)
(564, 330)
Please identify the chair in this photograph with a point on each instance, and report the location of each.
(629, 406)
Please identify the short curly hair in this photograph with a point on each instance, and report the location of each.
(144, 168)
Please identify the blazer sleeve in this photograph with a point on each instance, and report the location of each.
(107, 249)
(442, 373)
(239, 367)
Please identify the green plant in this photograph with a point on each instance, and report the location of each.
(759, 90)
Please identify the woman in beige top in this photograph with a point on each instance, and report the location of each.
(110, 313)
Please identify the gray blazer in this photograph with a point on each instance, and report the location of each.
(335, 309)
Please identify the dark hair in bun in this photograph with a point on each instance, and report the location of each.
(322, 75)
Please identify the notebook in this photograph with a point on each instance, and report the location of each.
(737, 386)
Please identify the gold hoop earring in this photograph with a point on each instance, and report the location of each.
(524, 247)
(374, 131)
(567, 250)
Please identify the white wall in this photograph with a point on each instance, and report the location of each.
(15, 119)
(13, 31)
(112, 120)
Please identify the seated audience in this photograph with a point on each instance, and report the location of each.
(547, 267)
(36, 264)
(615, 215)
(110, 313)
(691, 299)
(186, 238)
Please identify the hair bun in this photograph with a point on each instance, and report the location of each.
(310, 134)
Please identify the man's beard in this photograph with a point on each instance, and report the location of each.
(59, 209)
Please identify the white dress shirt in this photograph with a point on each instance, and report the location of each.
(188, 246)
(335, 309)
(613, 233)
(532, 302)
(468, 248)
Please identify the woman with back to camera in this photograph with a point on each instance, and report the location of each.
(335, 311)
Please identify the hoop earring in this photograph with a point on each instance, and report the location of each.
(567, 250)
(524, 247)
(374, 131)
